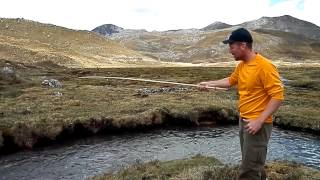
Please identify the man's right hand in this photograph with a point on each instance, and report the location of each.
(203, 86)
(222, 84)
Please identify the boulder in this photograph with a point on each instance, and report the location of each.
(8, 73)
(54, 83)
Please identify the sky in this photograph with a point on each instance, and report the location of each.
(156, 15)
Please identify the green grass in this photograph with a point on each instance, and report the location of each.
(30, 111)
(205, 168)
(300, 108)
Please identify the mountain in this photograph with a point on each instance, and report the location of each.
(283, 38)
(113, 30)
(107, 29)
(216, 25)
(33, 42)
(285, 23)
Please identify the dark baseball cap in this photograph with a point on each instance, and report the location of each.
(239, 35)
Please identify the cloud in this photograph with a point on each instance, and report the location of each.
(142, 10)
(274, 2)
(300, 5)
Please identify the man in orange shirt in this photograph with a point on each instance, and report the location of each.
(260, 95)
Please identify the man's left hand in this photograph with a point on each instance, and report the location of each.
(253, 126)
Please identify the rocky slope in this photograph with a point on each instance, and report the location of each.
(283, 38)
(107, 29)
(216, 25)
(286, 24)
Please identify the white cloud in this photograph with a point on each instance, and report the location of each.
(153, 14)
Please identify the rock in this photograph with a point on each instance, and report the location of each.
(141, 94)
(8, 73)
(25, 111)
(57, 94)
(285, 81)
(52, 83)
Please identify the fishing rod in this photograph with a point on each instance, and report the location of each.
(148, 80)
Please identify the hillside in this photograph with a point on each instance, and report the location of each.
(281, 38)
(285, 23)
(31, 42)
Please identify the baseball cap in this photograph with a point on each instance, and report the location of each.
(239, 35)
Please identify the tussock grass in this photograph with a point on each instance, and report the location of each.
(290, 170)
(205, 168)
(160, 170)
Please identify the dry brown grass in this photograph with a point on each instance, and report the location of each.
(206, 168)
(290, 170)
(32, 42)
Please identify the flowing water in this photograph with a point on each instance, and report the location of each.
(87, 157)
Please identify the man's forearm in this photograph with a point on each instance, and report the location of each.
(224, 83)
(271, 107)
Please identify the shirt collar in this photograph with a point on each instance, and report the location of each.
(254, 61)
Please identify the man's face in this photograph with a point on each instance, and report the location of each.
(237, 49)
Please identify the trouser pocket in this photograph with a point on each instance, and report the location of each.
(256, 155)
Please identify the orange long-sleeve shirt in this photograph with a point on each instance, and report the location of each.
(258, 81)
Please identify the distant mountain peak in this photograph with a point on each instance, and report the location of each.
(285, 23)
(216, 25)
(287, 17)
(283, 19)
(108, 29)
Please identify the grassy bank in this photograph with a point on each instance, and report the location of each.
(300, 108)
(32, 113)
(205, 168)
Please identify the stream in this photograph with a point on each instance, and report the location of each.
(84, 158)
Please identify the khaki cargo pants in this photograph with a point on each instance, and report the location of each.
(254, 152)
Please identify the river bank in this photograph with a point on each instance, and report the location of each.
(33, 114)
(201, 167)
